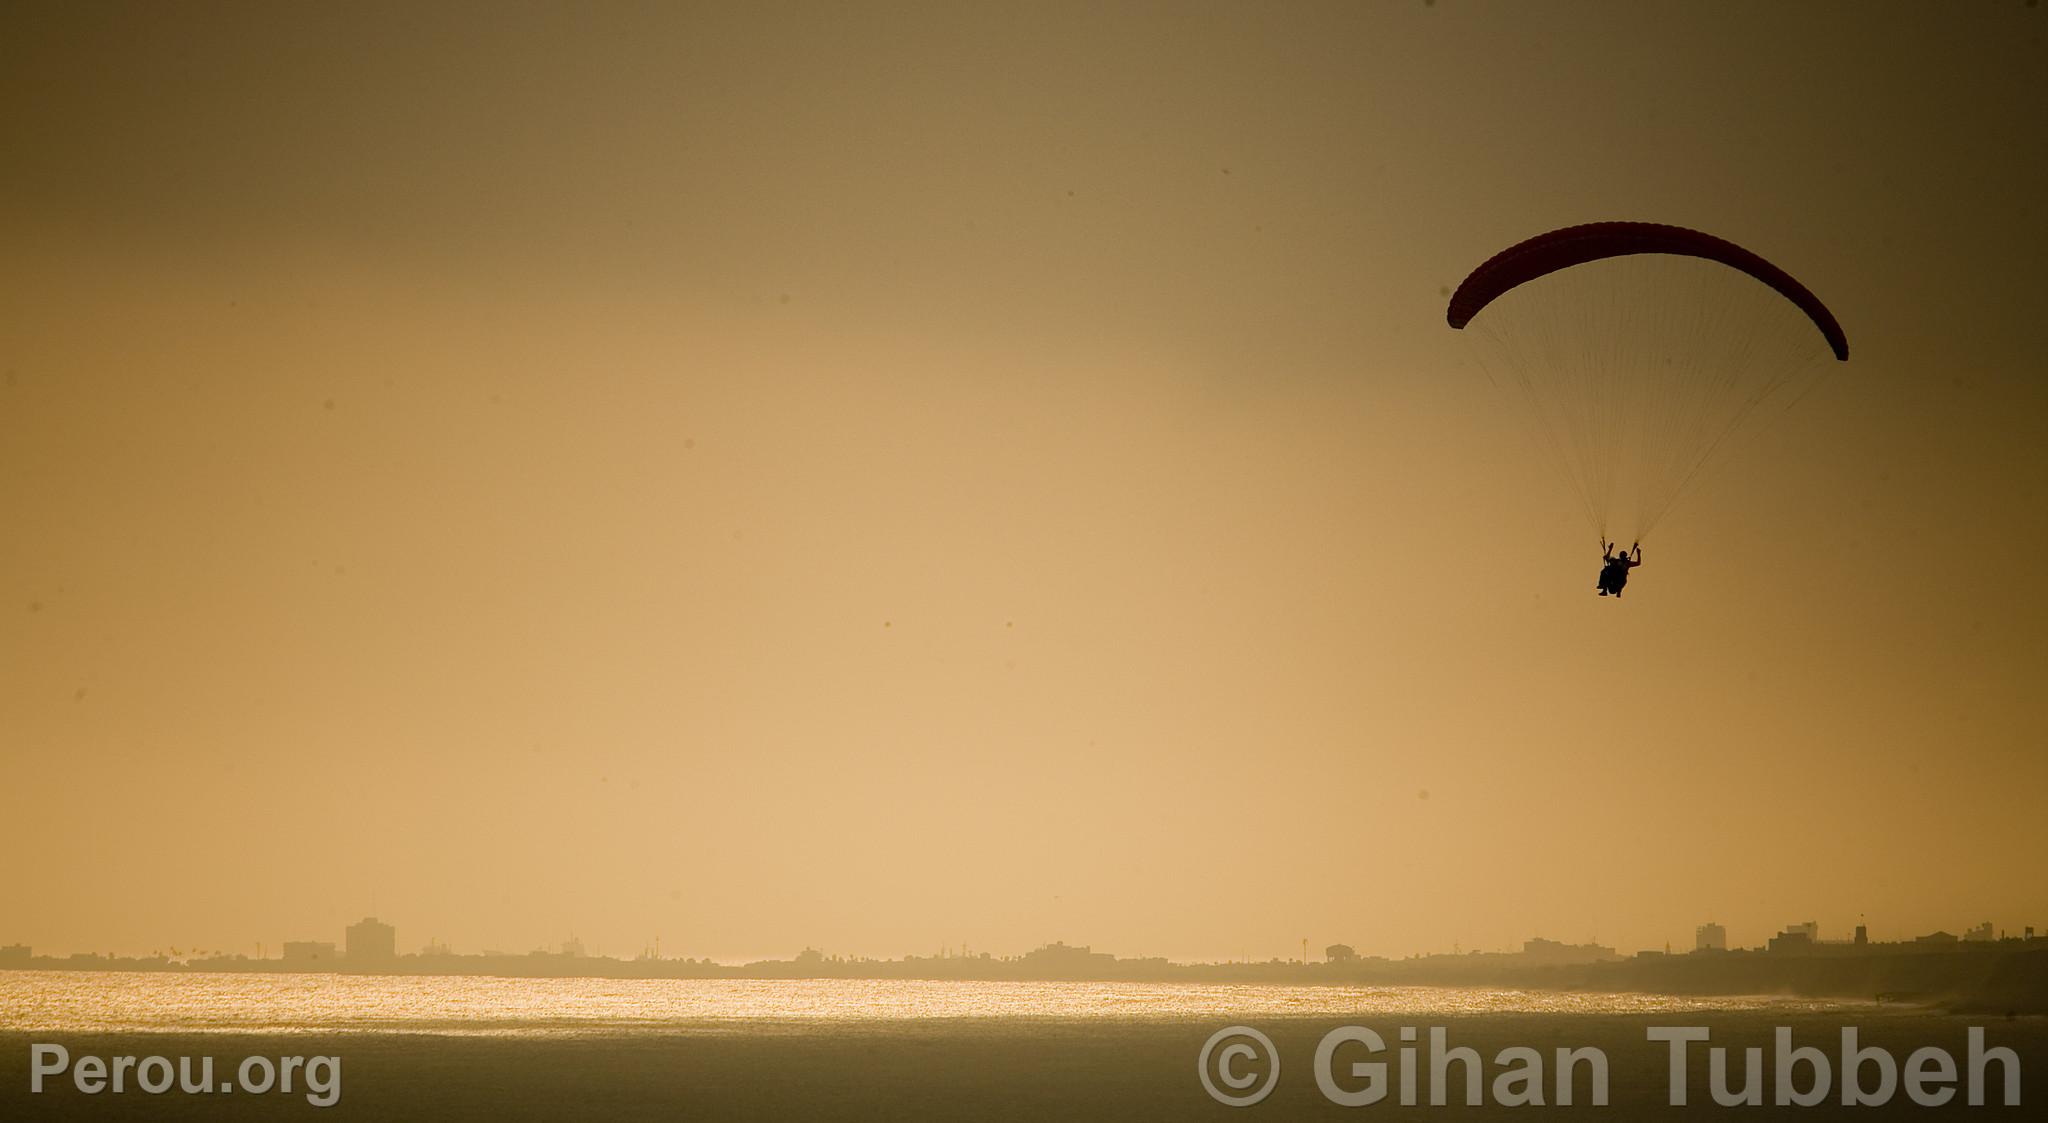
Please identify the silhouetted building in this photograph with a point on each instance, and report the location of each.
(1540, 950)
(1809, 929)
(1340, 953)
(372, 941)
(14, 955)
(1797, 938)
(1979, 934)
(1862, 936)
(1060, 958)
(1710, 937)
(1936, 938)
(309, 951)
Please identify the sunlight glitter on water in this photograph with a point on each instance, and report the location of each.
(88, 1002)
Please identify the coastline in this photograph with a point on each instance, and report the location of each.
(2006, 977)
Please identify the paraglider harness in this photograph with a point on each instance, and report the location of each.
(1614, 573)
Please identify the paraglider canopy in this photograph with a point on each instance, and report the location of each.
(1577, 245)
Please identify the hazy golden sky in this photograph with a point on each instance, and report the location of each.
(883, 476)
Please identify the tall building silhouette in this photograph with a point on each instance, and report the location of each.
(371, 941)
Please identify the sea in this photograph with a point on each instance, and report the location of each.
(174, 1045)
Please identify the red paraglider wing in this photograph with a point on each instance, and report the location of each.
(1576, 245)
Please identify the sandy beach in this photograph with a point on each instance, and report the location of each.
(1001, 1069)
